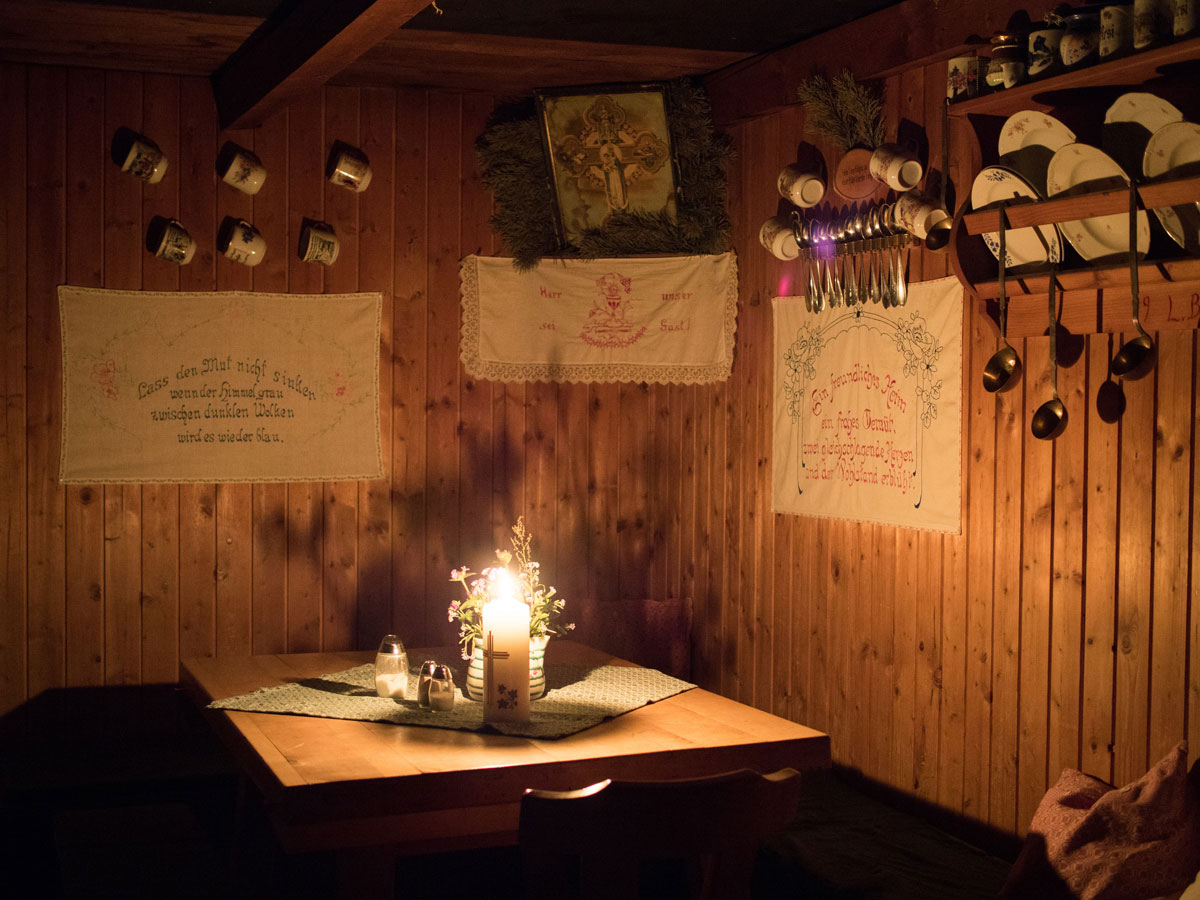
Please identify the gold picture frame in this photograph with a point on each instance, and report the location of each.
(608, 150)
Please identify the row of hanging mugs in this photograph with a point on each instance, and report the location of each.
(859, 255)
(238, 240)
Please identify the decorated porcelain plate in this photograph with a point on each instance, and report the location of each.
(1030, 128)
(1130, 122)
(1078, 168)
(1175, 148)
(1022, 246)
(1147, 110)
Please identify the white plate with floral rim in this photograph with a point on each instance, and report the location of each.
(1175, 149)
(1147, 110)
(1078, 168)
(1030, 128)
(1128, 125)
(1022, 246)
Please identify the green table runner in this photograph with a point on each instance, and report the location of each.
(577, 698)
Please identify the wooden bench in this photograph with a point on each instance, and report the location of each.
(847, 844)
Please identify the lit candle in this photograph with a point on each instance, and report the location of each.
(505, 628)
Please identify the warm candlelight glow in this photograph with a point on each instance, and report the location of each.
(506, 648)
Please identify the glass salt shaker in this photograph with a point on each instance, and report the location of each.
(441, 689)
(426, 676)
(391, 669)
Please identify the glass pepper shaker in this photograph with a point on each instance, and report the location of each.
(441, 689)
(391, 669)
(426, 677)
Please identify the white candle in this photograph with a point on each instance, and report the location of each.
(505, 626)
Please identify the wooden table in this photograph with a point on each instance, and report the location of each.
(371, 790)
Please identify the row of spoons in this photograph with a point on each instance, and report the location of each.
(857, 258)
(1132, 361)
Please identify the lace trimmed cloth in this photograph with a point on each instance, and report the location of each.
(665, 320)
(577, 697)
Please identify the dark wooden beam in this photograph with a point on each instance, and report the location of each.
(300, 48)
(513, 66)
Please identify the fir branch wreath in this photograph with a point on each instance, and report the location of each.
(843, 110)
(513, 166)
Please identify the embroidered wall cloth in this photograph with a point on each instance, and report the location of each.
(668, 320)
(868, 410)
(233, 386)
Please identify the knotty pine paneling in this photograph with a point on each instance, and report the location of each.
(109, 585)
(964, 669)
(967, 670)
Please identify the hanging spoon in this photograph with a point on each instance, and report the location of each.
(873, 233)
(850, 263)
(1050, 418)
(887, 269)
(800, 233)
(1134, 360)
(1003, 369)
(816, 240)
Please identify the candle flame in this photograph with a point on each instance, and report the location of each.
(503, 586)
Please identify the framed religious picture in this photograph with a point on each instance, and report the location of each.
(609, 151)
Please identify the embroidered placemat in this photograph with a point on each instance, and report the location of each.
(577, 698)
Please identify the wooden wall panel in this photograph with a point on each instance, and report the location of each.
(376, 222)
(1052, 632)
(408, 363)
(160, 502)
(1058, 629)
(14, 491)
(268, 502)
(87, 162)
(198, 502)
(305, 502)
(45, 229)
(339, 607)
(123, 249)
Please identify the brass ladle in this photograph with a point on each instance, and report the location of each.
(1135, 358)
(1050, 418)
(1003, 369)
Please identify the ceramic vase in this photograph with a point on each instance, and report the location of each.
(537, 669)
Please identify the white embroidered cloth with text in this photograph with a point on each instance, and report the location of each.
(668, 320)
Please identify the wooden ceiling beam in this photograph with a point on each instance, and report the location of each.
(299, 50)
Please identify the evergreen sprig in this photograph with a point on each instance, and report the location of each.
(843, 110)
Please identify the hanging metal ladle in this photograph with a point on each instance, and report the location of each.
(1003, 369)
(1050, 418)
(1135, 358)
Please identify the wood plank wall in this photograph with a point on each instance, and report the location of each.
(1060, 629)
(113, 585)
(965, 669)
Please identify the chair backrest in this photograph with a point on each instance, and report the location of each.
(693, 838)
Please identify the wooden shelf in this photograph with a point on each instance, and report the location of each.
(1023, 213)
(1134, 69)
(1095, 297)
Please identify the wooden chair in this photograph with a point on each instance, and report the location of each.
(662, 839)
